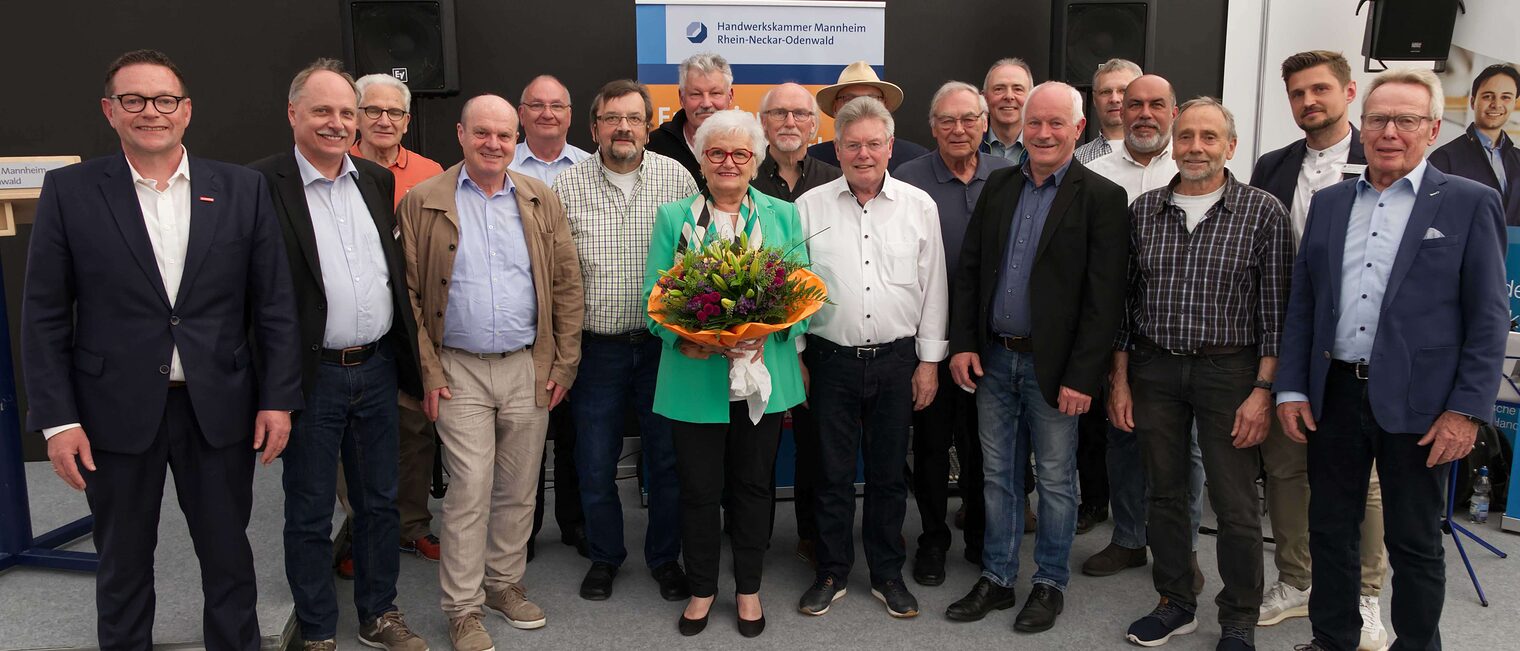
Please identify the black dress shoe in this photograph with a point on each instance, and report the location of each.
(597, 586)
(690, 627)
(929, 566)
(1089, 517)
(751, 627)
(1040, 610)
(984, 598)
(673, 585)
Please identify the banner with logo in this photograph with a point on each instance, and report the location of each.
(767, 42)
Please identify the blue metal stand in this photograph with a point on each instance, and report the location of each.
(17, 546)
(1451, 527)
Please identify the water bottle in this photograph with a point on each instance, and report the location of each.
(1482, 489)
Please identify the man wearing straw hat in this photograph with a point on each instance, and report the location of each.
(859, 80)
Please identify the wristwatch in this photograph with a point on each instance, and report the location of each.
(1262, 384)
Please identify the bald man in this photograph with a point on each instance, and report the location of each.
(545, 111)
(496, 288)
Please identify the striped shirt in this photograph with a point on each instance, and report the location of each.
(611, 232)
(1224, 284)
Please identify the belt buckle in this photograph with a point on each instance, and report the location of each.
(343, 356)
(1361, 370)
(867, 353)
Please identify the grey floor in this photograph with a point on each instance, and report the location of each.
(49, 610)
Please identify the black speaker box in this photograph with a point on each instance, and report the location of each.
(1085, 33)
(1410, 30)
(411, 40)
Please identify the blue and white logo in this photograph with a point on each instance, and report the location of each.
(696, 32)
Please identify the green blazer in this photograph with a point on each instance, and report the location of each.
(696, 390)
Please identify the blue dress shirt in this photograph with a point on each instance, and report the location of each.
(355, 276)
(1495, 156)
(1372, 242)
(1010, 306)
(492, 305)
(524, 162)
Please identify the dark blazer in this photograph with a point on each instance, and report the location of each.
(1077, 284)
(670, 140)
(1465, 157)
(1277, 171)
(97, 329)
(1444, 319)
(377, 185)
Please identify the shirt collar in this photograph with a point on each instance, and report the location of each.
(943, 174)
(1486, 143)
(1054, 179)
(1165, 153)
(1335, 149)
(564, 153)
(181, 172)
(403, 157)
(309, 173)
(1414, 177)
(888, 188)
(1232, 200)
(507, 187)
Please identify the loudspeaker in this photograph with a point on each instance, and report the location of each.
(411, 40)
(1410, 30)
(1088, 32)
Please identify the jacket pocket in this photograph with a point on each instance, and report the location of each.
(88, 363)
(1433, 371)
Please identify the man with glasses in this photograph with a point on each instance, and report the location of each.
(873, 352)
(610, 201)
(385, 106)
(859, 79)
(1005, 88)
(1109, 82)
(706, 85)
(150, 275)
(1391, 356)
(954, 175)
(1485, 153)
(545, 110)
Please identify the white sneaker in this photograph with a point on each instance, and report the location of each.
(1374, 638)
(1283, 601)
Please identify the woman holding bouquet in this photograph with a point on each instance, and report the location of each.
(725, 437)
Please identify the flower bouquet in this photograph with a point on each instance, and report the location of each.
(734, 291)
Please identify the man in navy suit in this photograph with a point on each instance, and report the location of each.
(1391, 355)
(1485, 153)
(146, 275)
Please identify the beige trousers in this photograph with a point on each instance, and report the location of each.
(493, 440)
(1287, 467)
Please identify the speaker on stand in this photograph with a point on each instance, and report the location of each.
(1086, 33)
(1409, 30)
(411, 40)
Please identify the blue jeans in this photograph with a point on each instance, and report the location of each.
(352, 411)
(1007, 393)
(612, 374)
(1127, 492)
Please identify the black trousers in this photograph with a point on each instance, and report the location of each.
(567, 491)
(1092, 454)
(949, 420)
(805, 471)
(736, 462)
(1341, 454)
(215, 488)
(863, 407)
(1171, 392)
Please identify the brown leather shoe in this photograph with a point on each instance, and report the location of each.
(1114, 559)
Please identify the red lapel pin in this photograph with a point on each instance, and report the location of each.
(208, 199)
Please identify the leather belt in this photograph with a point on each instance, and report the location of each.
(176, 384)
(351, 356)
(1362, 371)
(474, 354)
(1201, 351)
(860, 352)
(1017, 344)
(630, 337)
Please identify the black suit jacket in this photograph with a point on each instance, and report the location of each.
(1465, 157)
(378, 186)
(1077, 284)
(1277, 171)
(97, 327)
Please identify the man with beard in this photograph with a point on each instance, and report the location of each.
(1145, 162)
(610, 202)
(1205, 353)
(706, 85)
(1320, 91)
(1108, 86)
(1006, 87)
(1485, 152)
(859, 80)
(953, 175)
(545, 110)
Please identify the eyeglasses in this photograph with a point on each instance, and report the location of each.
(967, 122)
(875, 146)
(374, 113)
(1405, 122)
(538, 107)
(779, 115)
(613, 120)
(717, 156)
(134, 103)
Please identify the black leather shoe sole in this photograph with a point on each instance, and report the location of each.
(968, 614)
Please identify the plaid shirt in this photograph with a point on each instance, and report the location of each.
(612, 232)
(1093, 150)
(1224, 284)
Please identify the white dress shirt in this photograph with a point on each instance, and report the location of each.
(1321, 169)
(1136, 179)
(883, 264)
(355, 277)
(166, 213)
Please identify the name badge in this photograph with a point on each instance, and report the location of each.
(1353, 169)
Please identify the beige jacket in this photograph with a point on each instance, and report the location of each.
(430, 236)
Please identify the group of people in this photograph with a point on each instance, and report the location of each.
(1050, 312)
